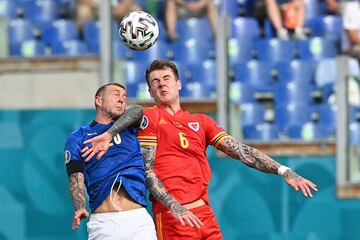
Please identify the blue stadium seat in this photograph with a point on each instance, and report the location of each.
(293, 92)
(293, 114)
(262, 132)
(72, 47)
(275, 50)
(327, 91)
(192, 51)
(194, 28)
(245, 27)
(19, 30)
(134, 73)
(326, 72)
(41, 12)
(66, 3)
(58, 31)
(327, 116)
(354, 113)
(252, 114)
(329, 27)
(309, 131)
(316, 49)
(32, 48)
(241, 93)
(91, 36)
(256, 73)
(8, 9)
(231, 8)
(296, 70)
(197, 90)
(205, 73)
(314, 8)
(162, 30)
(160, 50)
(354, 133)
(120, 51)
(240, 50)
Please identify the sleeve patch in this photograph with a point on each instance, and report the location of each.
(67, 156)
(144, 122)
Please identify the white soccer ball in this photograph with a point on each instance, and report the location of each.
(139, 30)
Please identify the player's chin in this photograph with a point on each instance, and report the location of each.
(117, 113)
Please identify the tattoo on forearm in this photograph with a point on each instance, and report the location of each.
(77, 190)
(248, 155)
(131, 115)
(154, 184)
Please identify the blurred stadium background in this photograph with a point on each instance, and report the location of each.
(276, 95)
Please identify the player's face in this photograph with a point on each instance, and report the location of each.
(114, 101)
(164, 87)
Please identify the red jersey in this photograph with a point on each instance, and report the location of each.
(181, 141)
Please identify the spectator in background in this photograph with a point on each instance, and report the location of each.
(87, 10)
(188, 8)
(351, 24)
(285, 15)
(333, 6)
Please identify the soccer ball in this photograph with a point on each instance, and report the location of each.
(139, 30)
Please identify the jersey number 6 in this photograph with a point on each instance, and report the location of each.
(183, 140)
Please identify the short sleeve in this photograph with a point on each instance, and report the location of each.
(147, 134)
(72, 148)
(214, 133)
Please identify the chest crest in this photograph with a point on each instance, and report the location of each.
(195, 126)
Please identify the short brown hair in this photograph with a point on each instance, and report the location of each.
(102, 88)
(161, 65)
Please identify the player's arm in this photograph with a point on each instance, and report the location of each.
(100, 144)
(260, 161)
(158, 190)
(77, 192)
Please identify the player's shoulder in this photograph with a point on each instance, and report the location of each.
(79, 132)
(200, 116)
(151, 111)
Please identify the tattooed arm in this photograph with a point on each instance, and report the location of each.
(132, 115)
(100, 144)
(260, 161)
(158, 190)
(77, 192)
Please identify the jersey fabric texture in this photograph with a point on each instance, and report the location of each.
(123, 163)
(168, 227)
(180, 162)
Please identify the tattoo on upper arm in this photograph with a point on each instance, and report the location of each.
(155, 185)
(77, 190)
(248, 155)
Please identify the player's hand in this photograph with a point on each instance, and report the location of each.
(78, 216)
(185, 216)
(99, 144)
(298, 182)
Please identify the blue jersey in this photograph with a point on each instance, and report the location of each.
(122, 162)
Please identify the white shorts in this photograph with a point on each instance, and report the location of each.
(124, 225)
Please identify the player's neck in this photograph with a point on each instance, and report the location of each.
(171, 109)
(103, 118)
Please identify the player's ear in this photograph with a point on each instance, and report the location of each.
(179, 84)
(98, 101)
(150, 92)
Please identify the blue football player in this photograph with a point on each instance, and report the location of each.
(115, 180)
